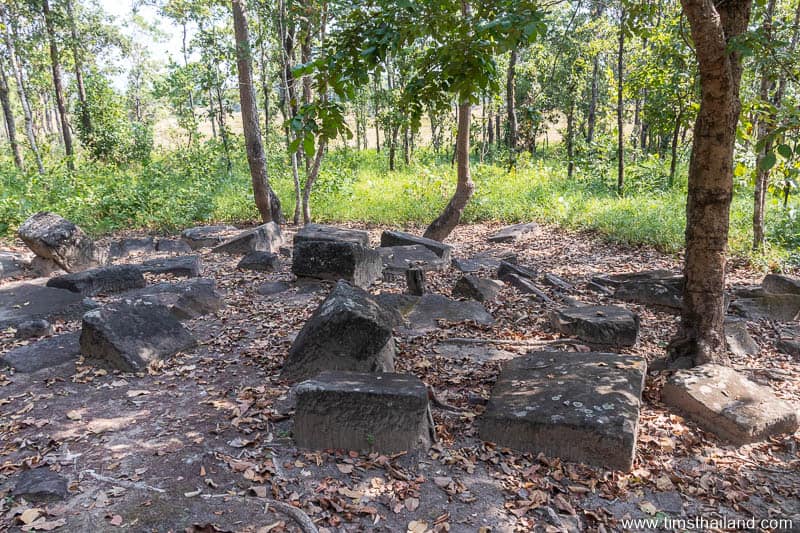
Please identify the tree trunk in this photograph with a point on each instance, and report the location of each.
(86, 120)
(57, 85)
(11, 127)
(511, 107)
(571, 140)
(289, 103)
(620, 109)
(256, 159)
(311, 177)
(591, 119)
(700, 337)
(674, 151)
(448, 220)
(393, 147)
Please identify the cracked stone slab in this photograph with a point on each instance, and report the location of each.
(581, 407)
(399, 259)
(385, 412)
(724, 402)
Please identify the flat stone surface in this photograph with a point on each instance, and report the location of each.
(260, 261)
(349, 331)
(475, 288)
(512, 233)
(173, 246)
(132, 246)
(198, 300)
(271, 288)
(130, 335)
(476, 263)
(21, 302)
(724, 402)
(398, 259)
(41, 485)
(526, 286)
(46, 353)
(781, 284)
(383, 413)
(507, 268)
(604, 325)
(104, 280)
(335, 260)
(474, 353)
(38, 327)
(661, 293)
(321, 232)
(738, 339)
(615, 280)
(581, 407)
(206, 236)
(188, 266)
(431, 308)
(50, 236)
(11, 264)
(779, 307)
(264, 238)
(400, 238)
(789, 340)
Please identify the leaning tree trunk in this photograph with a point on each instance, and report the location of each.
(256, 159)
(448, 220)
(700, 337)
(511, 107)
(11, 127)
(57, 84)
(311, 177)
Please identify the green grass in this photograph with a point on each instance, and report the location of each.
(182, 188)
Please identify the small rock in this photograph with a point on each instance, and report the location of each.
(34, 328)
(41, 485)
(475, 288)
(261, 261)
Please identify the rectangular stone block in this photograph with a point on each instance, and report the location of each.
(321, 232)
(337, 260)
(400, 238)
(581, 407)
(384, 413)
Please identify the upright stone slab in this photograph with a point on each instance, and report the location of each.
(104, 280)
(53, 237)
(780, 284)
(581, 407)
(348, 331)
(335, 260)
(131, 335)
(321, 232)
(738, 339)
(188, 266)
(779, 307)
(384, 413)
(264, 238)
(476, 288)
(507, 268)
(599, 325)
(512, 233)
(22, 302)
(724, 402)
(206, 236)
(400, 238)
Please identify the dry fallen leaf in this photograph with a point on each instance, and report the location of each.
(344, 468)
(648, 508)
(74, 415)
(417, 527)
(29, 515)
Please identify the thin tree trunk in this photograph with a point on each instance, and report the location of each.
(591, 120)
(86, 120)
(256, 159)
(11, 127)
(571, 140)
(448, 220)
(511, 107)
(289, 104)
(393, 147)
(311, 177)
(700, 338)
(57, 85)
(620, 109)
(673, 164)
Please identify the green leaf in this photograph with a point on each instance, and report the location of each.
(768, 161)
(785, 150)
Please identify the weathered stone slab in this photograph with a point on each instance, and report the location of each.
(602, 325)
(663, 294)
(483, 261)
(507, 269)
(335, 260)
(41, 485)
(38, 327)
(350, 331)
(321, 232)
(173, 246)
(188, 266)
(53, 237)
(615, 280)
(581, 407)
(264, 238)
(104, 280)
(400, 238)
(11, 264)
(384, 413)
(206, 236)
(271, 288)
(475, 288)
(135, 245)
(198, 300)
(21, 302)
(512, 233)
(261, 261)
(526, 286)
(779, 307)
(46, 353)
(738, 339)
(399, 259)
(752, 291)
(130, 335)
(431, 308)
(724, 402)
(789, 340)
(780, 284)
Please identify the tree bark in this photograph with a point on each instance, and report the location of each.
(86, 119)
(700, 337)
(620, 109)
(511, 107)
(591, 119)
(11, 127)
(311, 177)
(57, 84)
(673, 164)
(448, 220)
(571, 139)
(256, 159)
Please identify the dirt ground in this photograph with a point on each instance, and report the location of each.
(202, 442)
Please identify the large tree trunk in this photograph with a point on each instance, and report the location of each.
(11, 127)
(252, 132)
(511, 107)
(86, 119)
(620, 107)
(448, 220)
(700, 337)
(57, 84)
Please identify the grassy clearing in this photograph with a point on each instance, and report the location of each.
(186, 187)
